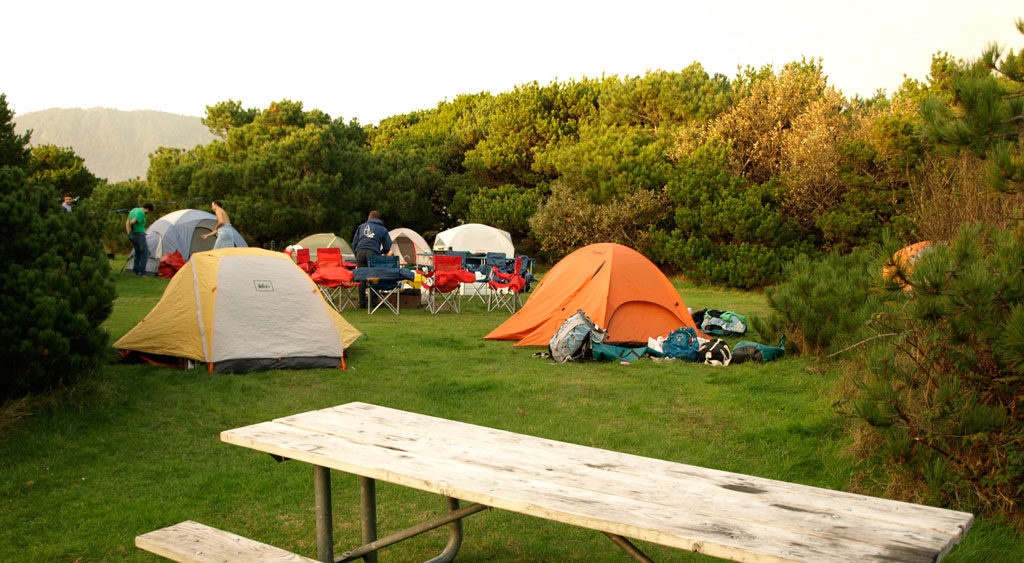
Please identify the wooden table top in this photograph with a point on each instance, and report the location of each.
(718, 513)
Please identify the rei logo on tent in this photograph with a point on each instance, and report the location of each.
(263, 285)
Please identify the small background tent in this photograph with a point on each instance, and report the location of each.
(327, 240)
(407, 244)
(902, 262)
(180, 231)
(616, 286)
(240, 310)
(475, 238)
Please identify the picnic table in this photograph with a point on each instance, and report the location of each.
(723, 514)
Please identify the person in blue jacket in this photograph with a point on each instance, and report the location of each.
(370, 239)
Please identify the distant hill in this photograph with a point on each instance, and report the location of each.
(115, 144)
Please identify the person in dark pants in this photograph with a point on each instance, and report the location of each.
(135, 226)
(370, 239)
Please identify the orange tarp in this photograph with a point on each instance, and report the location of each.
(616, 286)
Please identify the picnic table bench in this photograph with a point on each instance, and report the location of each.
(723, 514)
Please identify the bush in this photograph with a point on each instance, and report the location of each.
(943, 400)
(824, 304)
(506, 207)
(567, 222)
(55, 291)
(725, 230)
(55, 285)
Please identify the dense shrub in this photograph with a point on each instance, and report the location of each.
(824, 304)
(55, 284)
(943, 399)
(55, 290)
(505, 207)
(951, 191)
(567, 221)
(723, 229)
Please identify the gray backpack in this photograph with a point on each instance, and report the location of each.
(573, 340)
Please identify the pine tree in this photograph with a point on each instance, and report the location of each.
(14, 149)
(55, 282)
(983, 110)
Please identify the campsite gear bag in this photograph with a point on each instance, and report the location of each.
(754, 351)
(714, 352)
(720, 323)
(574, 339)
(681, 344)
(603, 351)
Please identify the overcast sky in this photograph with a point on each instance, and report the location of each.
(370, 60)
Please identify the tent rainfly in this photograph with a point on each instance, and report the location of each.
(901, 264)
(241, 310)
(616, 286)
(180, 230)
(475, 238)
(327, 240)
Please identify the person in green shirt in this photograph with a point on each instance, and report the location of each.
(135, 226)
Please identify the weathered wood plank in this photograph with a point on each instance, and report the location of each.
(353, 419)
(676, 526)
(720, 498)
(193, 542)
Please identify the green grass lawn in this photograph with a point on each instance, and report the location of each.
(137, 448)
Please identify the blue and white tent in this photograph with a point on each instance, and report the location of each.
(180, 230)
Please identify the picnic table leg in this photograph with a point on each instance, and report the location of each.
(628, 547)
(453, 517)
(324, 518)
(368, 510)
(454, 537)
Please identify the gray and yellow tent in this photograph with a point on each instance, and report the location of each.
(241, 310)
(327, 240)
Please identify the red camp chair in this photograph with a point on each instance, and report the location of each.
(334, 280)
(505, 288)
(303, 261)
(444, 282)
(328, 257)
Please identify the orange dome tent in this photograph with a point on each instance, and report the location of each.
(616, 286)
(902, 263)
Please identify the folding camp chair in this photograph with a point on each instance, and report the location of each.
(334, 279)
(481, 289)
(383, 288)
(303, 261)
(328, 256)
(330, 277)
(505, 288)
(444, 282)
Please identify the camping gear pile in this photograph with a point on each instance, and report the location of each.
(580, 339)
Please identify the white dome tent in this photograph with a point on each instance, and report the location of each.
(407, 244)
(475, 238)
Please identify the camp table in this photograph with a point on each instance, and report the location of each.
(723, 514)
